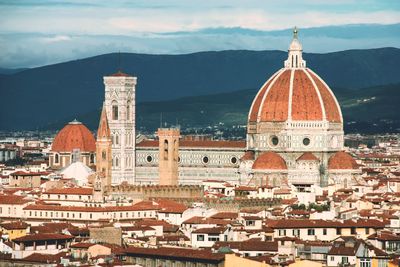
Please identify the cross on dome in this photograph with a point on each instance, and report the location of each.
(295, 57)
(295, 32)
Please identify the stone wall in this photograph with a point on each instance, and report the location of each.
(108, 234)
(156, 191)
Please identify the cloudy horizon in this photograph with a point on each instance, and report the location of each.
(36, 33)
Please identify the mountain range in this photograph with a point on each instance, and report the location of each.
(197, 89)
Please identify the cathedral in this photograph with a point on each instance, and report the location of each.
(294, 137)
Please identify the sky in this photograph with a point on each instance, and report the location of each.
(36, 33)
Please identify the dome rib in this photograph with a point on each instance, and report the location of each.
(255, 106)
(305, 105)
(331, 105)
(321, 102)
(274, 106)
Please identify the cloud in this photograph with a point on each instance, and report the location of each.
(151, 16)
(56, 38)
(30, 49)
(67, 29)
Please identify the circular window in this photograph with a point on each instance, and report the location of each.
(306, 141)
(233, 160)
(205, 159)
(149, 158)
(274, 140)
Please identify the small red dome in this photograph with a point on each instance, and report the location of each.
(342, 161)
(296, 94)
(74, 135)
(269, 161)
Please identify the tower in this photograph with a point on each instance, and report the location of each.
(120, 108)
(103, 149)
(168, 155)
(98, 188)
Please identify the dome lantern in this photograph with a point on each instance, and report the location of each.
(295, 57)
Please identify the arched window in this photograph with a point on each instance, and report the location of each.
(91, 158)
(175, 149)
(297, 61)
(166, 149)
(128, 110)
(114, 110)
(116, 162)
(56, 158)
(116, 140)
(104, 155)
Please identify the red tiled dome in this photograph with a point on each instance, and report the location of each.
(74, 135)
(342, 161)
(269, 161)
(296, 93)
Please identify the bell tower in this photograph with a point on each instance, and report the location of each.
(168, 155)
(120, 108)
(103, 149)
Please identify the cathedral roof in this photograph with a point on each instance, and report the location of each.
(308, 156)
(269, 161)
(295, 93)
(342, 161)
(74, 135)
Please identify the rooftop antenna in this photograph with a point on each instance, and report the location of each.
(161, 120)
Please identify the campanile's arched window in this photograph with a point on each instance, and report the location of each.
(128, 110)
(114, 110)
(56, 159)
(166, 149)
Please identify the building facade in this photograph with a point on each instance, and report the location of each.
(294, 137)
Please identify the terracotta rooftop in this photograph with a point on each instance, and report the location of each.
(202, 220)
(210, 230)
(306, 223)
(385, 236)
(16, 225)
(342, 161)
(136, 207)
(225, 215)
(74, 136)
(13, 200)
(269, 161)
(22, 173)
(250, 245)
(45, 258)
(177, 253)
(308, 156)
(43, 237)
(170, 206)
(71, 191)
(310, 96)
